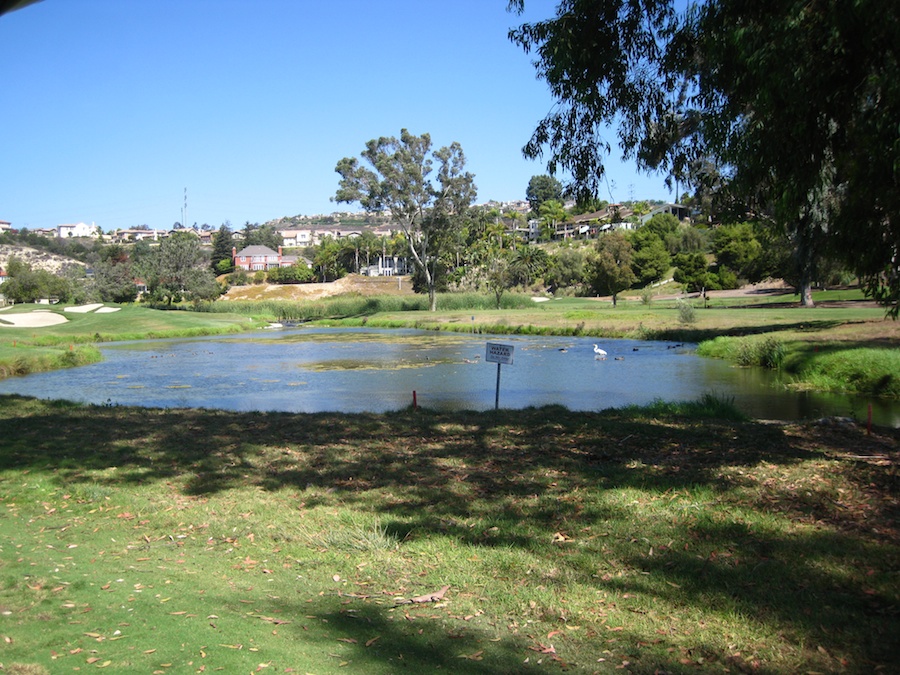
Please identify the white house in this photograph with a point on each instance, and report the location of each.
(77, 230)
(295, 238)
(139, 234)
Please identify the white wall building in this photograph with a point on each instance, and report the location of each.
(77, 230)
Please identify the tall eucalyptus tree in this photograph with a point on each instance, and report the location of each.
(395, 177)
(794, 103)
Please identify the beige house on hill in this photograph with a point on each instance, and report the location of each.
(254, 258)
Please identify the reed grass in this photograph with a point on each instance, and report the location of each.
(352, 306)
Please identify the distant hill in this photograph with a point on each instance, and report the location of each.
(39, 260)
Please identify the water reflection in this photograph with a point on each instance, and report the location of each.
(366, 370)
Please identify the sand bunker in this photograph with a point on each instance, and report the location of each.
(84, 309)
(35, 319)
(39, 318)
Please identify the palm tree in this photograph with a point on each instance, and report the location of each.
(528, 263)
(552, 213)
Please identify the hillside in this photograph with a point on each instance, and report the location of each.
(351, 284)
(39, 260)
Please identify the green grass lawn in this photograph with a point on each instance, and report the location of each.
(27, 350)
(644, 541)
(129, 322)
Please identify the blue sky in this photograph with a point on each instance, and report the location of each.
(111, 108)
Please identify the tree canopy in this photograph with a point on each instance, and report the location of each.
(541, 189)
(610, 268)
(395, 176)
(221, 260)
(178, 268)
(787, 108)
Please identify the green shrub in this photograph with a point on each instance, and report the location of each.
(686, 312)
(708, 406)
(768, 352)
(238, 278)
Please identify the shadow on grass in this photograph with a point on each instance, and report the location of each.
(392, 640)
(513, 479)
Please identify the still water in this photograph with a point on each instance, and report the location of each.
(367, 370)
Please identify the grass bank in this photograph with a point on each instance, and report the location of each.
(823, 365)
(24, 360)
(26, 350)
(663, 539)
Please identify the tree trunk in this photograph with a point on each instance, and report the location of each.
(430, 283)
(806, 259)
(806, 294)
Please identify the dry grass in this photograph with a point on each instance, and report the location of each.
(352, 284)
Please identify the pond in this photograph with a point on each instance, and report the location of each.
(369, 370)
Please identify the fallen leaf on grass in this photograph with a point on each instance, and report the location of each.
(350, 641)
(369, 643)
(477, 656)
(271, 619)
(543, 649)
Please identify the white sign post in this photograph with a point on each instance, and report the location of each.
(499, 354)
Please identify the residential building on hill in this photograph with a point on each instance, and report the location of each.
(138, 234)
(78, 230)
(678, 210)
(254, 258)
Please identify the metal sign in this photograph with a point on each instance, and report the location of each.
(497, 353)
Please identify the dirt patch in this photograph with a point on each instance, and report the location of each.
(352, 284)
